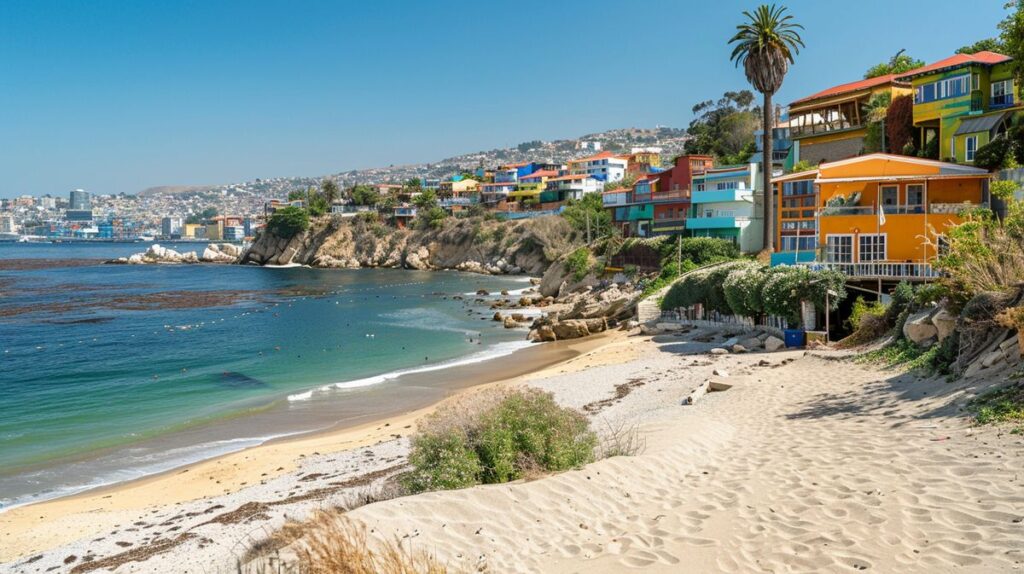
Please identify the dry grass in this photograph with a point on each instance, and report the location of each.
(334, 544)
(621, 439)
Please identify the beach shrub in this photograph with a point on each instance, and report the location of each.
(1001, 405)
(578, 263)
(499, 436)
(330, 543)
(704, 250)
(288, 221)
(861, 312)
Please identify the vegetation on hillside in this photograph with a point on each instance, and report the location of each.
(288, 221)
(724, 128)
(900, 63)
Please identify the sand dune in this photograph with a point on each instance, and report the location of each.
(815, 466)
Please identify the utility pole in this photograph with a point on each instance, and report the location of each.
(588, 228)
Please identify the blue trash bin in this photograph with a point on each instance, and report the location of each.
(794, 337)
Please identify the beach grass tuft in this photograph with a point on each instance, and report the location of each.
(1005, 405)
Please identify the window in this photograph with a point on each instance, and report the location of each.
(839, 249)
(700, 187)
(915, 197)
(872, 248)
(975, 81)
(803, 243)
(1002, 93)
(971, 146)
(797, 187)
(890, 195)
(943, 89)
(726, 185)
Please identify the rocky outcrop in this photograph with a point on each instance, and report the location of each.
(919, 329)
(157, 254)
(472, 244)
(587, 311)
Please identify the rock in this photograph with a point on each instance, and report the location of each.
(631, 324)
(504, 291)
(525, 301)
(497, 316)
(751, 343)
(737, 348)
(597, 325)
(944, 323)
(546, 333)
(992, 358)
(720, 373)
(518, 317)
(510, 323)
(719, 351)
(772, 344)
(650, 330)
(570, 329)
(919, 328)
(483, 292)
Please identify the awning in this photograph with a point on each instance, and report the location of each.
(979, 124)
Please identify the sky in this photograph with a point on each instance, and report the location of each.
(115, 96)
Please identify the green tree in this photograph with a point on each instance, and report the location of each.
(329, 190)
(878, 107)
(765, 45)
(364, 195)
(209, 213)
(1011, 31)
(425, 200)
(725, 127)
(288, 221)
(986, 45)
(297, 195)
(589, 214)
(413, 184)
(900, 63)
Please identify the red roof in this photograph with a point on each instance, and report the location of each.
(541, 173)
(849, 87)
(985, 57)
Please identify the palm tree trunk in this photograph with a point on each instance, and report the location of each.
(768, 215)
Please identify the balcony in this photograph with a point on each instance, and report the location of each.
(977, 102)
(720, 196)
(717, 222)
(405, 212)
(878, 270)
(918, 209)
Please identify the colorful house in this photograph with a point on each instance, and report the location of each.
(831, 124)
(604, 166)
(965, 101)
(880, 216)
(573, 186)
(658, 203)
(725, 204)
(643, 161)
(493, 193)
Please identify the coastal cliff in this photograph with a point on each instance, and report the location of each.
(472, 244)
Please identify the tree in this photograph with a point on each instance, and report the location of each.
(297, 195)
(765, 45)
(986, 45)
(288, 221)
(365, 195)
(425, 200)
(878, 107)
(413, 184)
(724, 128)
(900, 63)
(1012, 34)
(329, 190)
(899, 124)
(209, 213)
(588, 214)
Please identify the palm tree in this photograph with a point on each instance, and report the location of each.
(329, 189)
(765, 45)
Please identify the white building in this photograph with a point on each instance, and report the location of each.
(604, 166)
(570, 187)
(7, 224)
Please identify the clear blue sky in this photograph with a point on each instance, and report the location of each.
(119, 96)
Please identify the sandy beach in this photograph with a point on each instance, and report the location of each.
(809, 462)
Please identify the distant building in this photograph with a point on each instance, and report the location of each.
(724, 205)
(234, 233)
(215, 231)
(79, 199)
(7, 224)
(567, 187)
(194, 231)
(170, 226)
(604, 166)
(78, 215)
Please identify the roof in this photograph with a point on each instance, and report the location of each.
(571, 177)
(944, 167)
(602, 155)
(980, 124)
(849, 87)
(956, 61)
(540, 173)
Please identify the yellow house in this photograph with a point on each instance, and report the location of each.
(882, 216)
(457, 188)
(215, 231)
(831, 124)
(192, 230)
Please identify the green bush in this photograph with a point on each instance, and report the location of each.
(288, 221)
(500, 436)
(704, 250)
(578, 263)
(994, 155)
(743, 291)
(862, 309)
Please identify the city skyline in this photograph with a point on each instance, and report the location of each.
(114, 99)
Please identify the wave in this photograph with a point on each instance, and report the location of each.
(499, 350)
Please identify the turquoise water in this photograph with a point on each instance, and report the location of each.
(99, 361)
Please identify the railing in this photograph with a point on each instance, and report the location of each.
(918, 209)
(701, 317)
(978, 101)
(877, 270)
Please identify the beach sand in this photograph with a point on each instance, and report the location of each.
(808, 463)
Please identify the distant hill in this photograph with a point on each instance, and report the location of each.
(670, 140)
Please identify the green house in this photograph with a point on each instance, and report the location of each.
(965, 101)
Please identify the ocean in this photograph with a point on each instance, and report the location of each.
(113, 372)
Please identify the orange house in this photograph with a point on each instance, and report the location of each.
(882, 216)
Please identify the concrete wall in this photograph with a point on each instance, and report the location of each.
(830, 151)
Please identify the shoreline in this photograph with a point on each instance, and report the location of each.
(46, 524)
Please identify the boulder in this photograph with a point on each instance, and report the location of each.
(497, 316)
(518, 317)
(720, 373)
(596, 325)
(650, 330)
(945, 324)
(751, 343)
(719, 351)
(510, 323)
(570, 329)
(772, 344)
(919, 328)
(737, 348)
(546, 333)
